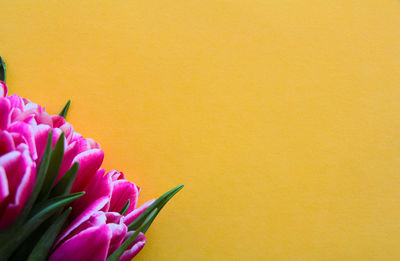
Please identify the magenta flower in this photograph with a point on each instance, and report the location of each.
(42, 160)
(98, 219)
(24, 127)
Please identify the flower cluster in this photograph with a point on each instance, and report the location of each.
(102, 218)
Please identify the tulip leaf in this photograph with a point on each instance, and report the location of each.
(56, 158)
(125, 207)
(43, 247)
(53, 203)
(120, 250)
(41, 213)
(64, 185)
(64, 111)
(2, 70)
(159, 204)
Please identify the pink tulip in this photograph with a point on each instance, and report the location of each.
(95, 217)
(24, 127)
(17, 177)
(95, 227)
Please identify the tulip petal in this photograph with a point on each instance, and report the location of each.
(3, 89)
(137, 212)
(89, 162)
(27, 182)
(122, 191)
(96, 219)
(20, 172)
(16, 102)
(27, 132)
(135, 248)
(58, 121)
(73, 149)
(70, 153)
(85, 215)
(41, 135)
(6, 142)
(98, 238)
(99, 186)
(4, 191)
(118, 229)
(4, 113)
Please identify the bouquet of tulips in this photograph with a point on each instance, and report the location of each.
(56, 202)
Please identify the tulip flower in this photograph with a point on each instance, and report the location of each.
(56, 202)
(24, 127)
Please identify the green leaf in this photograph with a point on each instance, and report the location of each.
(40, 213)
(56, 158)
(2, 70)
(125, 207)
(54, 203)
(64, 111)
(120, 250)
(43, 247)
(159, 204)
(64, 185)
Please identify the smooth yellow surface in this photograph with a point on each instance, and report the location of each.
(281, 117)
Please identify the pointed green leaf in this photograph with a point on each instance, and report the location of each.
(64, 111)
(120, 250)
(125, 207)
(43, 247)
(54, 203)
(159, 204)
(146, 227)
(56, 158)
(40, 213)
(64, 185)
(2, 70)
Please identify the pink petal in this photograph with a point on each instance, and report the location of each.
(27, 132)
(93, 144)
(30, 119)
(4, 113)
(43, 117)
(118, 228)
(68, 130)
(114, 217)
(6, 142)
(21, 174)
(3, 89)
(136, 213)
(76, 136)
(16, 102)
(41, 134)
(91, 244)
(85, 215)
(58, 121)
(96, 219)
(135, 248)
(122, 191)
(89, 162)
(117, 175)
(99, 186)
(70, 153)
(73, 149)
(4, 192)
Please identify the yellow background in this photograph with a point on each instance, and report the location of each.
(281, 117)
